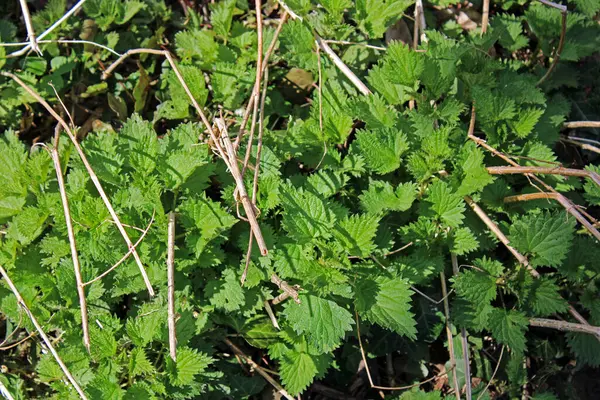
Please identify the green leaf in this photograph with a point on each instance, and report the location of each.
(476, 286)
(402, 65)
(463, 241)
(103, 343)
(445, 205)
(546, 236)
(199, 45)
(356, 234)
(227, 293)
(382, 149)
(139, 363)
(189, 364)
(140, 138)
(418, 394)
(543, 297)
(297, 45)
(306, 216)
(386, 301)
(27, 225)
(374, 24)
(221, 16)
(586, 348)
(381, 197)
(298, 370)
(323, 321)
(508, 327)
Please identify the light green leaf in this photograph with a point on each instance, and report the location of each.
(189, 364)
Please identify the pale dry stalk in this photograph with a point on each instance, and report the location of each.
(546, 171)
(45, 338)
(72, 241)
(171, 286)
(62, 19)
(449, 334)
(90, 172)
(561, 42)
(5, 392)
(288, 291)
(464, 339)
(584, 146)
(258, 369)
(485, 16)
(564, 326)
(29, 26)
(581, 124)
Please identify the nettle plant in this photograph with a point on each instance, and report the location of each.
(412, 229)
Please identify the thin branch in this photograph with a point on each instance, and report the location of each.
(29, 26)
(267, 56)
(62, 19)
(493, 374)
(347, 43)
(15, 344)
(258, 369)
(546, 171)
(126, 55)
(571, 209)
(90, 171)
(171, 286)
(72, 241)
(342, 67)
(45, 338)
(64, 41)
(367, 369)
(561, 42)
(131, 250)
(449, 334)
(584, 146)
(581, 124)
(464, 339)
(288, 291)
(485, 16)
(271, 315)
(564, 326)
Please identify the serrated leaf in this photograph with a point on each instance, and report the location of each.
(189, 364)
(221, 16)
(381, 197)
(508, 327)
(139, 363)
(382, 148)
(323, 321)
(402, 65)
(463, 241)
(546, 236)
(386, 301)
(446, 206)
(476, 286)
(356, 234)
(298, 369)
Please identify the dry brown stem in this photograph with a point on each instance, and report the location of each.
(581, 124)
(367, 369)
(288, 291)
(72, 241)
(584, 146)
(464, 339)
(29, 26)
(45, 338)
(561, 42)
(565, 326)
(258, 369)
(271, 315)
(90, 172)
(171, 286)
(483, 392)
(546, 171)
(449, 334)
(485, 16)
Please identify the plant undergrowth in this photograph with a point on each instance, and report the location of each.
(372, 205)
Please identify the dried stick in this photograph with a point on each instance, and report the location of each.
(72, 242)
(257, 166)
(560, 199)
(493, 374)
(64, 41)
(564, 326)
(449, 334)
(271, 315)
(126, 55)
(464, 339)
(546, 171)
(171, 286)
(584, 146)
(29, 26)
(4, 392)
(561, 42)
(91, 172)
(347, 43)
(485, 16)
(62, 19)
(251, 102)
(45, 338)
(342, 67)
(131, 249)
(288, 291)
(258, 369)
(373, 386)
(581, 124)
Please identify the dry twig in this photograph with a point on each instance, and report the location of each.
(29, 26)
(171, 286)
(449, 334)
(493, 374)
(288, 291)
(45, 338)
(561, 42)
(71, 234)
(258, 369)
(546, 171)
(464, 339)
(485, 16)
(581, 124)
(584, 146)
(565, 326)
(90, 172)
